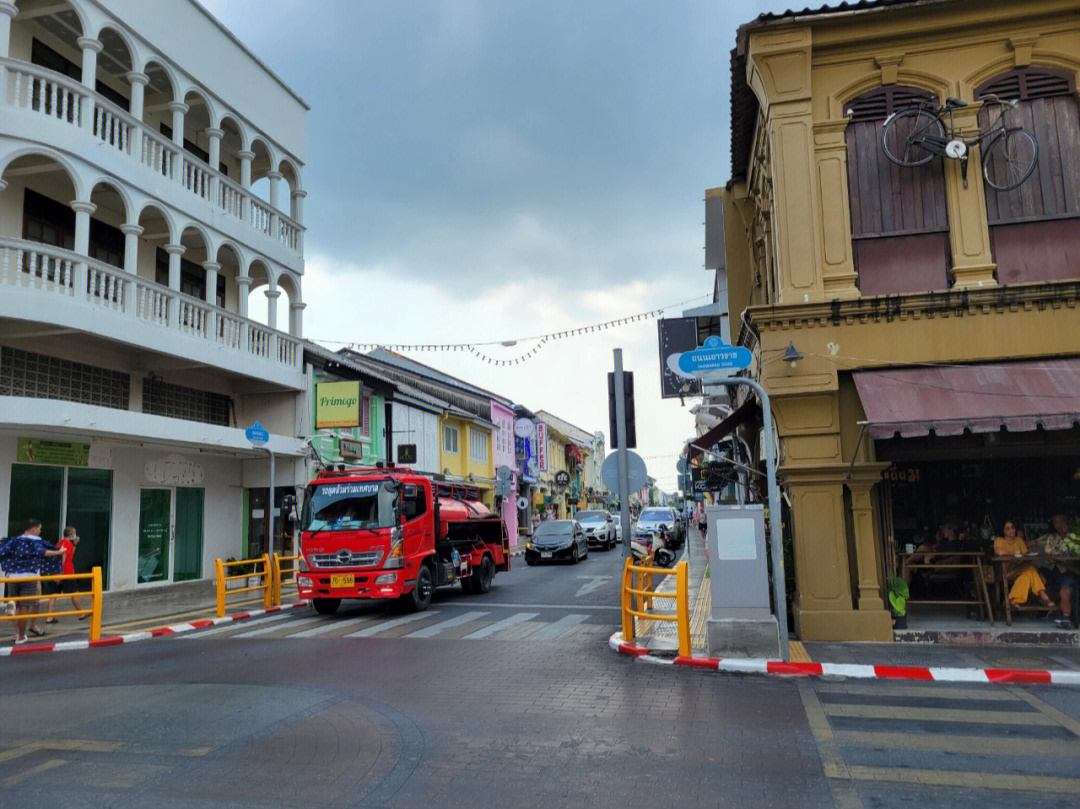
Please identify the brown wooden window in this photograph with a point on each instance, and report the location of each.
(1035, 228)
(899, 226)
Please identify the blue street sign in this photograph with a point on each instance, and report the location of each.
(256, 434)
(714, 355)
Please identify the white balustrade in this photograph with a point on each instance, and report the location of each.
(230, 198)
(260, 216)
(158, 154)
(259, 338)
(289, 234)
(105, 286)
(111, 128)
(45, 92)
(229, 327)
(288, 350)
(28, 265)
(196, 180)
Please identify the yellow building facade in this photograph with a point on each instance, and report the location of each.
(466, 453)
(826, 255)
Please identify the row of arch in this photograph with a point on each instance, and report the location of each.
(136, 229)
(152, 86)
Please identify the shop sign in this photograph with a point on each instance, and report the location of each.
(523, 428)
(562, 478)
(54, 453)
(173, 470)
(348, 448)
(538, 498)
(541, 446)
(337, 404)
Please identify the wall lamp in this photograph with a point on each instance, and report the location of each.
(791, 354)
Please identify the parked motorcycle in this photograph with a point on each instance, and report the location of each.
(656, 542)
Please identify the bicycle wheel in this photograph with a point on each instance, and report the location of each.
(913, 137)
(1010, 159)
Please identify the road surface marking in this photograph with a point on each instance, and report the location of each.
(45, 766)
(591, 586)
(832, 760)
(498, 626)
(284, 627)
(556, 629)
(526, 606)
(939, 714)
(232, 626)
(449, 623)
(334, 623)
(945, 743)
(382, 626)
(971, 780)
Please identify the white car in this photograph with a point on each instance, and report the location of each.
(599, 528)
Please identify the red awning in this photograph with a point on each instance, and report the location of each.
(704, 442)
(1019, 396)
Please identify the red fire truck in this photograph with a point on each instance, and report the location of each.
(392, 533)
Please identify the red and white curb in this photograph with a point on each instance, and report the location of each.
(132, 637)
(779, 667)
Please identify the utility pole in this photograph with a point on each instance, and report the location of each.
(624, 473)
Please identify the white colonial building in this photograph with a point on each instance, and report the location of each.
(151, 181)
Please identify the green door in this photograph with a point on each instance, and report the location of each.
(155, 530)
(37, 492)
(89, 511)
(187, 556)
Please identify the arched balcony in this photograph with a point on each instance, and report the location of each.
(58, 67)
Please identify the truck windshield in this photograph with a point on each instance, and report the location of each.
(348, 506)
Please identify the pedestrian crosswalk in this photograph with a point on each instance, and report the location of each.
(445, 623)
(934, 744)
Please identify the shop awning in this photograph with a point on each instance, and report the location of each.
(1019, 396)
(704, 442)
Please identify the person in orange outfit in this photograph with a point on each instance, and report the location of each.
(1024, 575)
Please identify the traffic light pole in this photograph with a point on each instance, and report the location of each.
(624, 470)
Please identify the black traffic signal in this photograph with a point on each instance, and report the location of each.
(628, 391)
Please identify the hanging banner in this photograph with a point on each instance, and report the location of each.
(541, 446)
(54, 453)
(337, 404)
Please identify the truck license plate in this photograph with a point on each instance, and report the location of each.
(343, 580)
(545, 555)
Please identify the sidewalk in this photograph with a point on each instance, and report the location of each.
(661, 636)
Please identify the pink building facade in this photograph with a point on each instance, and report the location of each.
(503, 441)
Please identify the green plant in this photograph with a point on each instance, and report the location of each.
(898, 596)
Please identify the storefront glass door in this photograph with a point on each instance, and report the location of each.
(37, 492)
(170, 534)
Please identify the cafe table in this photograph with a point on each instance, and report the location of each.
(1040, 560)
(972, 561)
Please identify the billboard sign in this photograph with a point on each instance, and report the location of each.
(677, 335)
(541, 446)
(337, 404)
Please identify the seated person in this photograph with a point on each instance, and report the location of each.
(931, 551)
(1025, 578)
(1059, 576)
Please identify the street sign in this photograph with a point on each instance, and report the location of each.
(638, 474)
(714, 355)
(504, 473)
(523, 428)
(680, 465)
(256, 435)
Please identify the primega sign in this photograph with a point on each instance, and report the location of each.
(337, 404)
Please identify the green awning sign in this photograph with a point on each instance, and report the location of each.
(53, 453)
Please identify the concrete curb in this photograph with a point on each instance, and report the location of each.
(779, 667)
(116, 640)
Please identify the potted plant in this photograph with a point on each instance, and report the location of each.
(898, 596)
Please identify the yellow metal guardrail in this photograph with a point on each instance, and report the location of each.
(94, 592)
(638, 581)
(281, 573)
(262, 565)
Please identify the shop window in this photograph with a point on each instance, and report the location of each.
(1035, 228)
(899, 227)
(38, 376)
(181, 402)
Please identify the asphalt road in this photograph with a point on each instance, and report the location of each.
(475, 705)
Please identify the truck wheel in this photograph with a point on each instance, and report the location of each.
(420, 597)
(481, 579)
(326, 606)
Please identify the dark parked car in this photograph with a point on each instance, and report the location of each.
(651, 519)
(557, 540)
(599, 528)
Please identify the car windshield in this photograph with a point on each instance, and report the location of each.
(591, 516)
(348, 506)
(553, 528)
(656, 515)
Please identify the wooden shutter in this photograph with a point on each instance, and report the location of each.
(899, 224)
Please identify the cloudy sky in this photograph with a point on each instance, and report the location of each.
(483, 170)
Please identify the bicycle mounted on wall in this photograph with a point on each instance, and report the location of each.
(918, 134)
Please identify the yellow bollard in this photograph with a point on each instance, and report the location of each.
(627, 618)
(275, 572)
(682, 609)
(219, 572)
(268, 584)
(95, 604)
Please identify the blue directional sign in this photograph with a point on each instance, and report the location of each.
(714, 355)
(256, 434)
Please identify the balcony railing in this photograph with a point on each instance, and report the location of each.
(58, 272)
(36, 89)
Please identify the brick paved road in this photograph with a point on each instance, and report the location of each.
(388, 719)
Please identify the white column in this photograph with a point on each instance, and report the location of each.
(82, 244)
(138, 82)
(246, 157)
(215, 135)
(297, 211)
(296, 319)
(179, 110)
(131, 247)
(243, 289)
(90, 49)
(7, 11)
(212, 268)
(275, 181)
(174, 251)
(272, 295)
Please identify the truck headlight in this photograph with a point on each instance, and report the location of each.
(386, 578)
(304, 581)
(302, 565)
